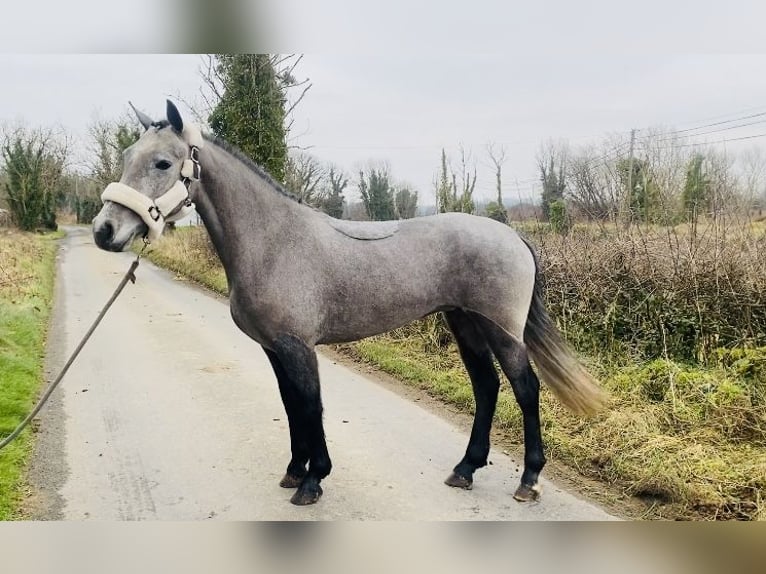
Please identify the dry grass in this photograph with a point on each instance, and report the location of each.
(188, 251)
(20, 254)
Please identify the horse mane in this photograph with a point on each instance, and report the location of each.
(240, 155)
(254, 167)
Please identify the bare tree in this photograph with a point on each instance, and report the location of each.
(108, 140)
(667, 157)
(294, 89)
(590, 188)
(447, 196)
(724, 194)
(468, 185)
(333, 201)
(337, 179)
(552, 162)
(105, 165)
(304, 176)
(753, 168)
(497, 157)
(405, 201)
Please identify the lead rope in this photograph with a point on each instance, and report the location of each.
(129, 276)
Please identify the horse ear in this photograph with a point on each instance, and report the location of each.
(174, 117)
(145, 120)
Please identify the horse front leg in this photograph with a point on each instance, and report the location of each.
(298, 363)
(296, 469)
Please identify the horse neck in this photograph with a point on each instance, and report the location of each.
(242, 210)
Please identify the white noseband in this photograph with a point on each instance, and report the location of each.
(154, 213)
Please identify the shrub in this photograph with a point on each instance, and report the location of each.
(33, 166)
(497, 212)
(86, 208)
(558, 217)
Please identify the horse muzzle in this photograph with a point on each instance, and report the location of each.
(115, 231)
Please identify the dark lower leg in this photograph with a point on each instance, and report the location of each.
(526, 388)
(514, 361)
(477, 358)
(320, 465)
(485, 388)
(302, 388)
(296, 469)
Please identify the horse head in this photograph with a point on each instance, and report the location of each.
(157, 172)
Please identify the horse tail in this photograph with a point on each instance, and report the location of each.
(554, 359)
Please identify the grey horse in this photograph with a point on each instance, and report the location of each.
(298, 278)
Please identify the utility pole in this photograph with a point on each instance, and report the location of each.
(629, 194)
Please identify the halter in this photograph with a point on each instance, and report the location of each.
(172, 205)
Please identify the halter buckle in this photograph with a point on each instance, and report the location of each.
(154, 213)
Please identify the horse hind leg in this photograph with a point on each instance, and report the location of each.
(477, 357)
(514, 360)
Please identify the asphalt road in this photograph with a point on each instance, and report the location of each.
(171, 413)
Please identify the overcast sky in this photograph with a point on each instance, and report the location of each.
(403, 108)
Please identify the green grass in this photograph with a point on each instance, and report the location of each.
(26, 291)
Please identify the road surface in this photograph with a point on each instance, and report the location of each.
(171, 413)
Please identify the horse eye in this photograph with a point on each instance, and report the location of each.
(163, 164)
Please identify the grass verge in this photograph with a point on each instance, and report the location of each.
(27, 269)
(688, 442)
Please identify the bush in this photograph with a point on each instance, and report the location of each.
(33, 167)
(86, 208)
(497, 212)
(558, 217)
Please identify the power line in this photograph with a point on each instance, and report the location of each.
(719, 141)
(741, 111)
(614, 153)
(675, 133)
(619, 150)
(722, 122)
(591, 163)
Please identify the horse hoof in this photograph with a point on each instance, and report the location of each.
(527, 493)
(290, 481)
(304, 497)
(458, 481)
